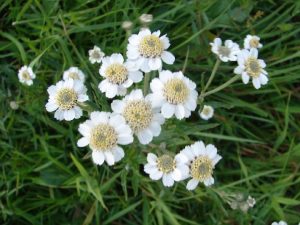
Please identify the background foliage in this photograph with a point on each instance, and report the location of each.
(46, 179)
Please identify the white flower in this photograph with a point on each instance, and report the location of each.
(146, 18)
(64, 97)
(26, 75)
(127, 25)
(96, 55)
(226, 53)
(119, 75)
(201, 161)
(174, 93)
(279, 223)
(207, 112)
(250, 66)
(143, 119)
(252, 41)
(104, 132)
(74, 73)
(168, 168)
(251, 201)
(149, 50)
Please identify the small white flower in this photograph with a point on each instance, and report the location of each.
(226, 53)
(26, 75)
(174, 93)
(279, 223)
(119, 75)
(143, 119)
(104, 132)
(96, 55)
(146, 18)
(168, 168)
(14, 105)
(64, 97)
(74, 73)
(250, 66)
(149, 50)
(127, 25)
(252, 41)
(207, 112)
(251, 201)
(201, 161)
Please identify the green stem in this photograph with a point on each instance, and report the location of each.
(233, 79)
(212, 75)
(146, 83)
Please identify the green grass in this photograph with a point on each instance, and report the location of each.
(46, 179)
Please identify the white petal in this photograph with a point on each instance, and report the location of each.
(116, 58)
(117, 106)
(238, 70)
(254, 52)
(125, 139)
(181, 158)
(210, 181)
(176, 175)
(168, 180)
(192, 184)
(111, 91)
(165, 41)
(151, 158)
(109, 158)
(82, 142)
(155, 128)
(145, 136)
(256, 83)
(156, 85)
(69, 114)
(168, 57)
(156, 175)
(168, 110)
(118, 153)
(211, 151)
(155, 63)
(136, 76)
(98, 157)
(263, 79)
(179, 111)
(245, 78)
(216, 159)
(51, 106)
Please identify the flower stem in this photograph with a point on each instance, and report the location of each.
(146, 83)
(212, 75)
(233, 79)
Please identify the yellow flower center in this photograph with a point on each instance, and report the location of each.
(151, 46)
(26, 75)
(206, 111)
(66, 98)
(103, 137)
(96, 54)
(201, 168)
(176, 91)
(252, 67)
(254, 42)
(224, 51)
(166, 163)
(138, 114)
(116, 73)
(74, 76)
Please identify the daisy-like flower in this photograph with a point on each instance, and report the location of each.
(96, 55)
(144, 120)
(174, 93)
(201, 160)
(249, 66)
(207, 112)
(226, 52)
(103, 133)
(74, 73)
(119, 75)
(281, 222)
(252, 41)
(149, 50)
(26, 75)
(168, 168)
(64, 97)
(251, 201)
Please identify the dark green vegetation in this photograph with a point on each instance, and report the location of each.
(46, 179)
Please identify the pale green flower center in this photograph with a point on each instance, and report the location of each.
(166, 163)
(26, 75)
(224, 51)
(66, 98)
(151, 46)
(138, 114)
(175, 91)
(103, 137)
(201, 168)
(254, 42)
(252, 67)
(116, 73)
(74, 75)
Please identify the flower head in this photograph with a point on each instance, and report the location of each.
(74, 73)
(64, 97)
(139, 114)
(207, 112)
(226, 52)
(96, 55)
(251, 201)
(104, 132)
(119, 75)
(174, 93)
(249, 66)
(252, 41)
(168, 168)
(281, 222)
(146, 18)
(201, 160)
(26, 75)
(149, 50)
